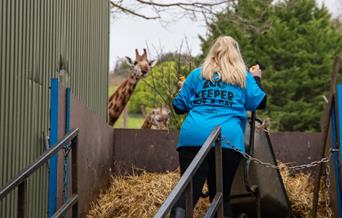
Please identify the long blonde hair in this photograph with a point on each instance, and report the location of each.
(224, 56)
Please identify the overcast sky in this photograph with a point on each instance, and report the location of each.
(128, 33)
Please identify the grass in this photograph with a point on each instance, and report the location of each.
(135, 121)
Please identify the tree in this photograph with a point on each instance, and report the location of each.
(152, 9)
(296, 40)
(121, 67)
(159, 89)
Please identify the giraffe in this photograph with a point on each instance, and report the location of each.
(148, 121)
(118, 100)
(157, 119)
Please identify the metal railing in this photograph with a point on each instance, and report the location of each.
(20, 180)
(252, 188)
(185, 182)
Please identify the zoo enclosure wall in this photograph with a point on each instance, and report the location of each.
(155, 150)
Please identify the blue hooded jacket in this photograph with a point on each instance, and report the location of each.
(210, 104)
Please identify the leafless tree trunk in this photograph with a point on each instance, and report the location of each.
(143, 110)
(125, 117)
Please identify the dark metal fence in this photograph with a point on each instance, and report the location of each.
(185, 182)
(20, 180)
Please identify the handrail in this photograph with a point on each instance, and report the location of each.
(20, 179)
(254, 189)
(22, 175)
(250, 151)
(68, 204)
(214, 205)
(185, 181)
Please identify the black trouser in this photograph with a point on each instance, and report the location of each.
(230, 162)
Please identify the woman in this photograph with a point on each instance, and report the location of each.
(217, 94)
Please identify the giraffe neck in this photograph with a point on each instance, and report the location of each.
(148, 122)
(118, 101)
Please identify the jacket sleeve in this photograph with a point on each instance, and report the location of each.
(255, 95)
(181, 103)
(262, 104)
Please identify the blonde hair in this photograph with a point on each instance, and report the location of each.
(224, 56)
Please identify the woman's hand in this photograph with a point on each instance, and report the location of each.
(255, 70)
(181, 82)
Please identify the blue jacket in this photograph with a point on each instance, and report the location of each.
(211, 104)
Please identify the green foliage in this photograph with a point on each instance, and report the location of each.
(153, 91)
(296, 40)
(159, 89)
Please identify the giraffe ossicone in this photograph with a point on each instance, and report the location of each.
(140, 68)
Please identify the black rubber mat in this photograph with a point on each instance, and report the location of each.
(272, 194)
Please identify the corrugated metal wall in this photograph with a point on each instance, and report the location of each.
(35, 35)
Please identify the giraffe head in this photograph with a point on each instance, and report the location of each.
(160, 117)
(141, 66)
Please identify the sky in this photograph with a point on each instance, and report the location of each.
(129, 32)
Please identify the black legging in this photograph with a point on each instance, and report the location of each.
(230, 162)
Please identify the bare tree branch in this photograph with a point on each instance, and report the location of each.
(208, 23)
(158, 8)
(178, 4)
(129, 11)
(206, 10)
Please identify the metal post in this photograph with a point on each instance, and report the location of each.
(325, 133)
(250, 151)
(188, 200)
(218, 171)
(335, 157)
(53, 140)
(74, 175)
(66, 158)
(22, 188)
(252, 134)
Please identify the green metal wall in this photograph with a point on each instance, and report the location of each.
(34, 36)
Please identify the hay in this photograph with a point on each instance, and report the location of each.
(142, 195)
(138, 196)
(299, 189)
